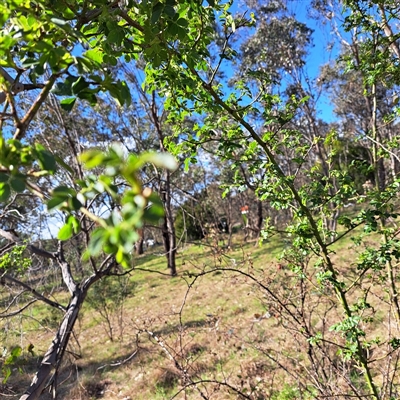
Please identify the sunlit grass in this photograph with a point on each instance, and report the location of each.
(216, 322)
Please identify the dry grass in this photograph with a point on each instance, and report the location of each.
(218, 328)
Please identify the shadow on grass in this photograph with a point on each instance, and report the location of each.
(203, 253)
(89, 380)
(76, 380)
(268, 249)
(176, 328)
(20, 378)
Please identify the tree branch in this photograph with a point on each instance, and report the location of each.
(8, 278)
(14, 239)
(394, 46)
(66, 270)
(55, 353)
(16, 87)
(20, 131)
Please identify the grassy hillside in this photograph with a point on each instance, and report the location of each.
(212, 332)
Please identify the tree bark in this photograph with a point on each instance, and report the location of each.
(53, 356)
(260, 219)
(169, 236)
(139, 244)
(168, 226)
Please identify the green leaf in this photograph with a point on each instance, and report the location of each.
(29, 62)
(109, 248)
(55, 202)
(5, 191)
(7, 373)
(111, 60)
(116, 36)
(61, 162)
(68, 104)
(92, 158)
(74, 222)
(95, 55)
(62, 89)
(65, 88)
(63, 191)
(169, 10)
(3, 177)
(120, 257)
(153, 214)
(68, 13)
(128, 238)
(120, 92)
(45, 158)
(74, 203)
(79, 85)
(16, 351)
(18, 185)
(187, 164)
(182, 22)
(156, 13)
(97, 241)
(88, 96)
(125, 93)
(65, 232)
(60, 195)
(115, 235)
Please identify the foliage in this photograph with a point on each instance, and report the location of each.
(108, 298)
(288, 393)
(314, 192)
(266, 129)
(10, 359)
(196, 216)
(15, 261)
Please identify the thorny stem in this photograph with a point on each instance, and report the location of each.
(394, 298)
(329, 266)
(374, 131)
(394, 295)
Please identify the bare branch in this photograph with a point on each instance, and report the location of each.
(8, 278)
(14, 313)
(20, 131)
(14, 239)
(65, 270)
(54, 354)
(130, 21)
(16, 87)
(119, 363)
(394, 46)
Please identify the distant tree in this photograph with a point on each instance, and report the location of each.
(301, 172)
(37, 52)
(202, 212)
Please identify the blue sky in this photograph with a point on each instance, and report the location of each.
(319, 55)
